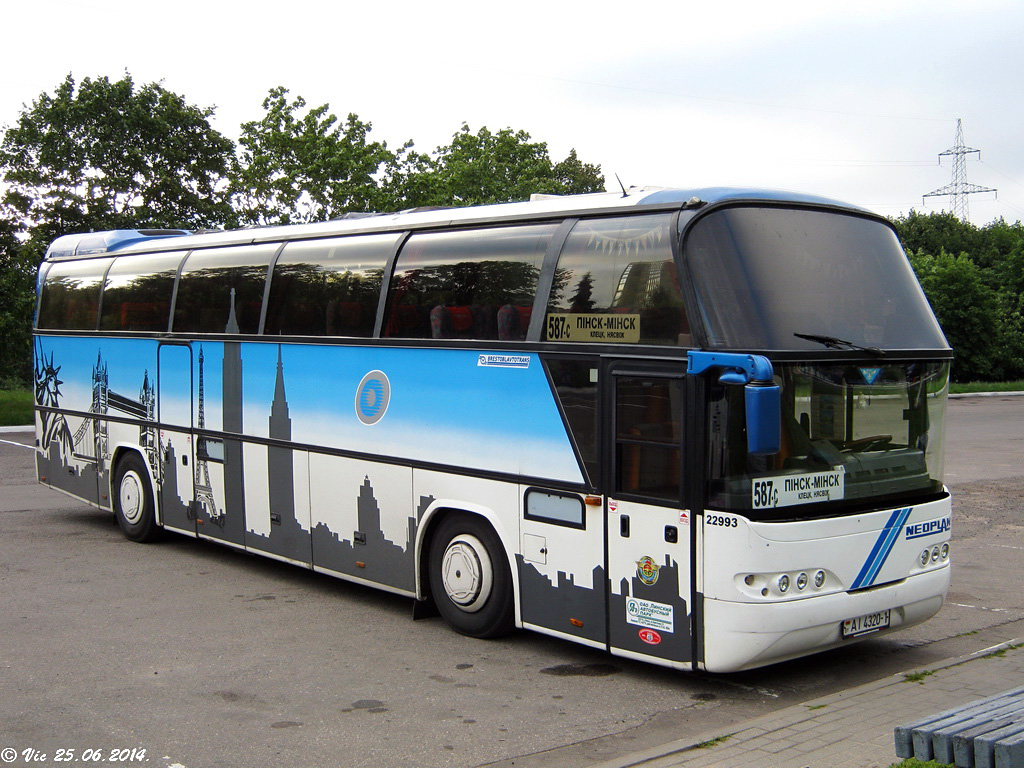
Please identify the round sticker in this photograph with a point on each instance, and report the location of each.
(372, 397)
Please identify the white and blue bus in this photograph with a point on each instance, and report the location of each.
(699, 428)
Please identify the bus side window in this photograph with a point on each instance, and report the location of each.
(328, 287)
(575, 383)
(616, 282)
(71, 295)
(647, 437)
(473, 284)
(221, 289)
(137, 292)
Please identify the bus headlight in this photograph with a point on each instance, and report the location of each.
(806, 583)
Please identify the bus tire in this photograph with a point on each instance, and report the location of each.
(470, 580)
(133, 499)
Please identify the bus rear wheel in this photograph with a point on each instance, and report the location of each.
(470, 579)
(133, 500)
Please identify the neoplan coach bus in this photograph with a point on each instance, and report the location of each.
(699, 428)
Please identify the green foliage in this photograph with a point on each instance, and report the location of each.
(977, 294)
(17, 303)
(298, 165)
(107, 155)
(15, 407)
(484, 167)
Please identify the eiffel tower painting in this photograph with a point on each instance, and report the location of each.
(203, 488)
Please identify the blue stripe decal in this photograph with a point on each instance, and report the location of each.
(883, 547)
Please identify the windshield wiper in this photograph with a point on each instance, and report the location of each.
(833, 343)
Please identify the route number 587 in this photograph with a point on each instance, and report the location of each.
(765, 494)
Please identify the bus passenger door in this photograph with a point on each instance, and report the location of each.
(176, 450)
(649, 534)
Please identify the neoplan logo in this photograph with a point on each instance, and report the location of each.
(928, 528)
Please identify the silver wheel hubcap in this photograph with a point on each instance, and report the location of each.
(130, 497)
(466, 573)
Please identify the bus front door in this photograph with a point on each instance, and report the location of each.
(649, 531)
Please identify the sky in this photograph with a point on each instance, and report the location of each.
(854, 101)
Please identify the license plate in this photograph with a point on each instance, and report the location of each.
(862, 625)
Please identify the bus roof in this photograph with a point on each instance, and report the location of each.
(540, 206)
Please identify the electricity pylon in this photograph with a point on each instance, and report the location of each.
(959, 189)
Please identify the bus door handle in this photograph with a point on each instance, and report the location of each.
(671, 534)
(624, 526)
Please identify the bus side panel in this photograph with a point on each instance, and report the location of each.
(363, 522)
(86, 380)
(563, 587)
(480, 412)
(277, 502)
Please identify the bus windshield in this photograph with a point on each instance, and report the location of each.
(773, 278)
(855, 436)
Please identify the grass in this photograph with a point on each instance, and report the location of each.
(712, 742)
(915, 763)
(986, 386)
(1002, 651)
(917, 677)
(15, 407)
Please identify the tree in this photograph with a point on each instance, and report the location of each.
(300, 167)
(107, 155)
(17, 302)
(484, 167)
(967, 311)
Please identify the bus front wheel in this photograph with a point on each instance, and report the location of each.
(133, 500)
(469, 577)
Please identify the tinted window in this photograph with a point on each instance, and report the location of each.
(71, 295)
(328, 287)
(616, 282)
(476, 284)
(575, 382)
(647, 430)
(137, 293)
(765, 274)
(221, 290)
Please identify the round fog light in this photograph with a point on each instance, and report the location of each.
(749, 581)
(924, 557)
(945, 552)
(819, 579)
(783, 583)
(935, 555)
(801, 581)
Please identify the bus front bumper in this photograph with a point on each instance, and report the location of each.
(741, 636)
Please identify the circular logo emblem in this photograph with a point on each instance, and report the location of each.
(372, 397)
(649, 636)
(647, 570)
